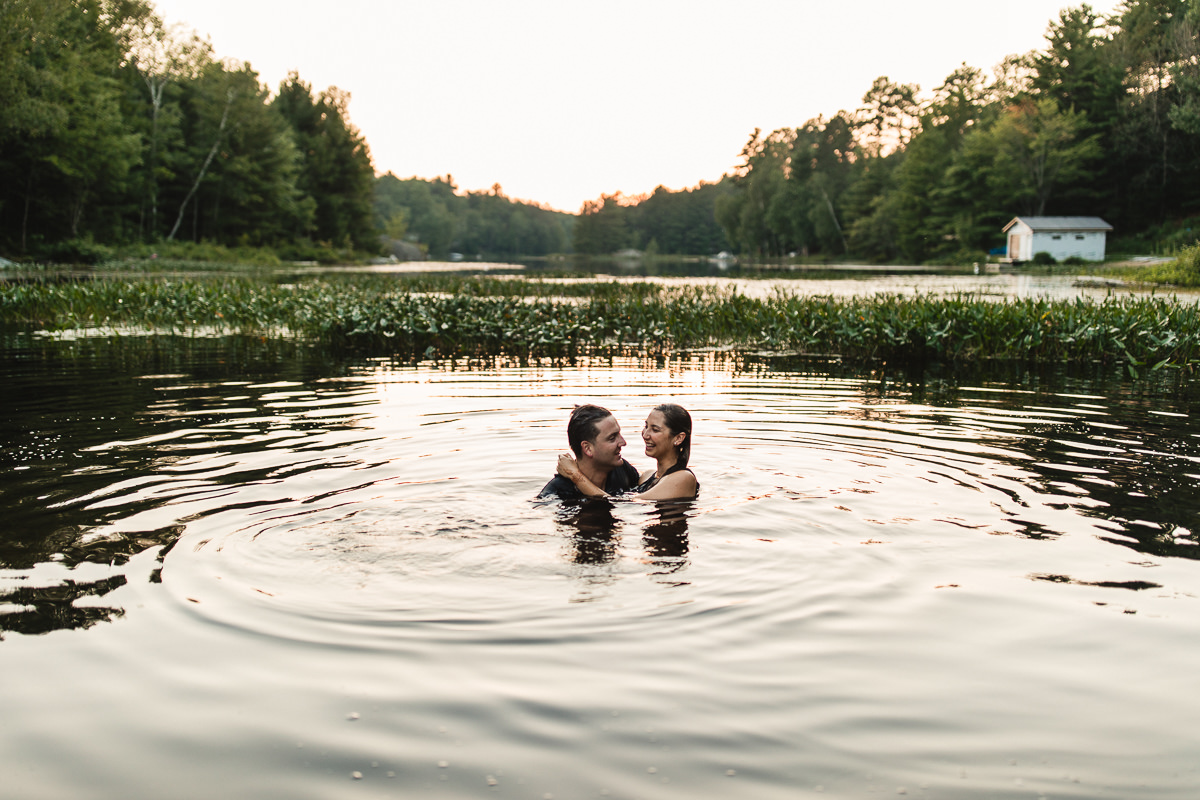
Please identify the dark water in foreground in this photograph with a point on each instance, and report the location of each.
(235, 568)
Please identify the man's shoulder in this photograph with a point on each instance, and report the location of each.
(561, 488)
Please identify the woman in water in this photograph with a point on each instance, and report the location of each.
(667, 435)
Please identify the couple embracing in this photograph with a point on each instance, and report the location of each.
(596, 468)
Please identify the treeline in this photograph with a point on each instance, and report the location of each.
(432, 215)
(1104, 121)
(117, 129)
(665, 222)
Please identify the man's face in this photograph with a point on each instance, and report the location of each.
(605, 449)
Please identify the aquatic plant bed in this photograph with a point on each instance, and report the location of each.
(452, 315)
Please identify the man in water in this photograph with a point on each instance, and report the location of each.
(595, 438)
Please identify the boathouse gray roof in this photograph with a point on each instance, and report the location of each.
(1062, 223)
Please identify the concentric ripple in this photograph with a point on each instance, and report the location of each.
(337, 575)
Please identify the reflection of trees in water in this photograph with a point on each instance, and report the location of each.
(1138, 477)
(595, 538)
(41, 609)
(71, 410)
(1135, 465)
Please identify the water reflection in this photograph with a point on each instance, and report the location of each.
(32, 610)
(119, 449)
(755, 280)
(596, 531)
(243, 546)
(665, 537)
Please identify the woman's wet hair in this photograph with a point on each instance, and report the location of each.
(584, 426)
(679, 421)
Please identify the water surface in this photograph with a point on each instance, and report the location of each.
(246, 568)
(764, 280)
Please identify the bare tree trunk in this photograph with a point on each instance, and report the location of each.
(77, 212)
(25, 215)
(155, 84)
(832, 213)
(204, 169)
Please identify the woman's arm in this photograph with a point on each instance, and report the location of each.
(676, 486)
(570, 470)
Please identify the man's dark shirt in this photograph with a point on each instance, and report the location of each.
(621, 479)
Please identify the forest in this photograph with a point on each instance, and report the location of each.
(1104, 121)
(121, 131)
(118, 129)
(436, 217)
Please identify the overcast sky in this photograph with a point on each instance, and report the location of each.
(561, 101)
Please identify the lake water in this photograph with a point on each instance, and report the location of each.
(249, 569)
(756, 280)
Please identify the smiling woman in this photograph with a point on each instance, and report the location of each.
(668, 438)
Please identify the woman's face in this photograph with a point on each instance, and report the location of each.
(659, 439)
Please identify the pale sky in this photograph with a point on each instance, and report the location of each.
(561, 101)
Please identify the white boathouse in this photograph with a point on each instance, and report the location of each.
(1061, 237)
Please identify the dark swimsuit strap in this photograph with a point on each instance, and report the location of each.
(652, 481)
(675, 468)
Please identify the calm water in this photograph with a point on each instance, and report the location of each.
(846, 280)
(236, 568)
(752, 280)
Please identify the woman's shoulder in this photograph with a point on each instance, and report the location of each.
(681, 481)
(684, 475)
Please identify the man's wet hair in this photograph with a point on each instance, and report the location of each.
(584, 426)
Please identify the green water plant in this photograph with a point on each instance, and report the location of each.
(1184, 270)
(455, 315)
